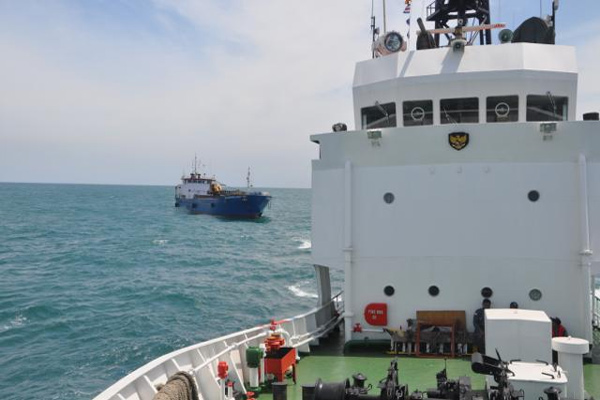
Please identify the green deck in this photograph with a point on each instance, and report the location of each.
(328, 362)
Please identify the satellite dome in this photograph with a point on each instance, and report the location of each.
(534, 30)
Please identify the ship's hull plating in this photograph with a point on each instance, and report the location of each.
(236, 206)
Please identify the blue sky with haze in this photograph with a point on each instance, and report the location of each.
(127, 91)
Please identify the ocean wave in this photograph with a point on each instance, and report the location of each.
(16, 322)
(301, 293)
(304, 243)
(109, 291)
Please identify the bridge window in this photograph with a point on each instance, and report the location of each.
(547, 107)
(417, 113)
(457, 111)
(379, 116)
(503, 109)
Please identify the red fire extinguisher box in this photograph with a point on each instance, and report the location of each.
(376, 314)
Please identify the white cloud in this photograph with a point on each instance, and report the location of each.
(274, 74)
(241, 83)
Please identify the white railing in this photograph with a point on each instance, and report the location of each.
(596, 310)
(201, 360)
(307, 328)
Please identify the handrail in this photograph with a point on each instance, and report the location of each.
(596, 309)
(317, 309)
(317, 333)
(250, 335)
(227, 350)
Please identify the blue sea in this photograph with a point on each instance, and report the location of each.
(96, 280)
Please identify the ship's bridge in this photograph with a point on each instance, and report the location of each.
(512, 82)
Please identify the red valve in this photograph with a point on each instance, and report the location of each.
(274, 342)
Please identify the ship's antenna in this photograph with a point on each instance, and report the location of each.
(554, 8)
(248, 185)
(384, 19)
(374, 30)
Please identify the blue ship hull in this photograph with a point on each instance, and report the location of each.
(234, 206)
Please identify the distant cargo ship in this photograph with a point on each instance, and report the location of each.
(200, 194)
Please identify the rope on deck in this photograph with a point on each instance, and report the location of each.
(180, 386)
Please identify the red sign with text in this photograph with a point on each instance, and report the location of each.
(376, 314)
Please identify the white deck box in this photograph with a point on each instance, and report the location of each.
(518, 334)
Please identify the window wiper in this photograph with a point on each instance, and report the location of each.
(448, 117)
(384, 112)
(553, 104)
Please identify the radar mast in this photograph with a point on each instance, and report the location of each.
(463, 11)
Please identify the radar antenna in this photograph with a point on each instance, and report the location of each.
(442, 11)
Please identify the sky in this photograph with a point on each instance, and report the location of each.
(129, 91)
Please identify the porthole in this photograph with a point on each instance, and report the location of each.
(535, 294)
(434, 290)
(389, 290)
(533, 196)
(487, 292)
(388, 198)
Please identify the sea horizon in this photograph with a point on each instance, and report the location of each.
(138, 184)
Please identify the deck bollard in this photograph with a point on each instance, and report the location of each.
(308, 392)
(279, 390)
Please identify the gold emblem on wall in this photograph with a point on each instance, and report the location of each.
(458, 140)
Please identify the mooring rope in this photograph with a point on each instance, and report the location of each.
(179, 386)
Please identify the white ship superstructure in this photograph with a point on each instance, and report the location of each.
(468, 176)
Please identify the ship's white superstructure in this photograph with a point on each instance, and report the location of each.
(467, 170)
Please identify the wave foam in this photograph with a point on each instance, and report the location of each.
(16, 322)
(301, 293)
(304, 243)
(160, 242)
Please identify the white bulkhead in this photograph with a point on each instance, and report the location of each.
(193, 186)
(516, 209)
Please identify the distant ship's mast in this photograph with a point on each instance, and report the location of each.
(248, 184)
(195, 166)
